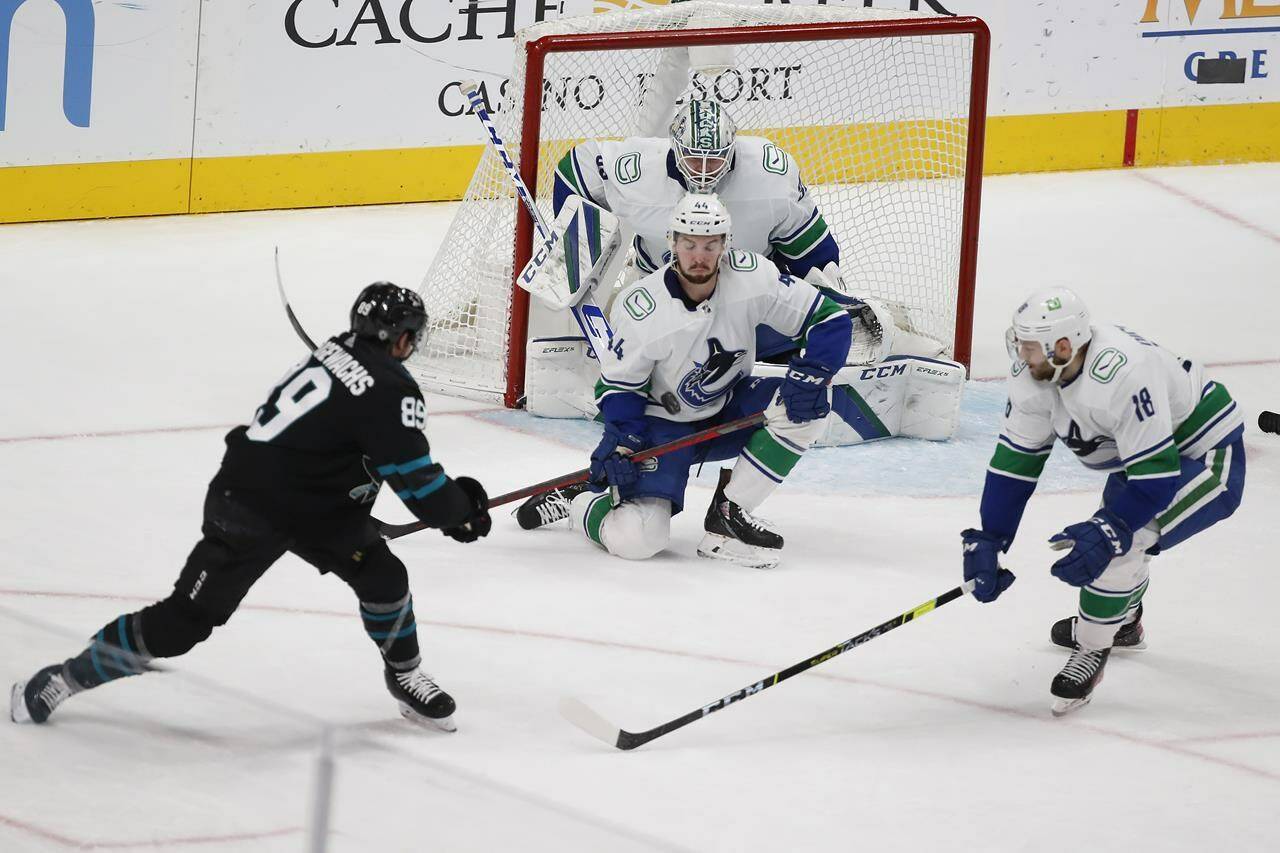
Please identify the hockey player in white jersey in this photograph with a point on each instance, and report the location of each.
(642, 179)
(688, 331)
(1172, 438)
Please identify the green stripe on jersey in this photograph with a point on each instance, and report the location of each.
(1006, 460)
(603, 388)
(565, 169)
(805, 240)
(1209, 407)
(1165, 463)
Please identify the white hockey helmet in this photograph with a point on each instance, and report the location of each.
(702, 137)
(1044, 318)
(702, 215)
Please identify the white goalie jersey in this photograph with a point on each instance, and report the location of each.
(664, 344)
(637, 180)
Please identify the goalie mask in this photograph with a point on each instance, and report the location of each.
(702, 137)
(383, 312)
(1046, 317)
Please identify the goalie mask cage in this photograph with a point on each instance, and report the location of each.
(882, 111)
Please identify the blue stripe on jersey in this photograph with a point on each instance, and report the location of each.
(1148, 452)
(646, 263)
(787, 238)
(406, 494)
(1034, 451)
(404, 467)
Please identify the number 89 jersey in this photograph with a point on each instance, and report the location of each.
(1134, 406)
(339, 424)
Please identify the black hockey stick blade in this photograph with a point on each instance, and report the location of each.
(395, 531)
(284, 300)
(598, 727)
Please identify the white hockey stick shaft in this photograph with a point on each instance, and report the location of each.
(587, 313)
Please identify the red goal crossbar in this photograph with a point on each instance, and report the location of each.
(539, 49)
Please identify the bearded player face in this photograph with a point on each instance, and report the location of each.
(698, 257)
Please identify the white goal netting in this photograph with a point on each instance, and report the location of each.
(879, 127)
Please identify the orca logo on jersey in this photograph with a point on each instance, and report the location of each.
(714, 377)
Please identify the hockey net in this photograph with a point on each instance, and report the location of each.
(882, 111)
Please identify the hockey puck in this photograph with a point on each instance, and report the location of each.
(1269, 422)
(670, 403)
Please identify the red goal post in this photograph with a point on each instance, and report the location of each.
(966, 170)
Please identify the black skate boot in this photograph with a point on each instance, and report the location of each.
(32, 701)
(1130, 635)
(421, 699)
(1073, 687)
(548, 507)
(735, 535)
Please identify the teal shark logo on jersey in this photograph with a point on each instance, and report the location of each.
(714, 377)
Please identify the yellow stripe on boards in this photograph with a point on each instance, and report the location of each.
(870, 152)
(1195, 136)
(276, 181)
(94, 190)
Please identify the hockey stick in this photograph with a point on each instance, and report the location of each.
(597, 726)
(293, 318)
(586, 312)
(395, 531)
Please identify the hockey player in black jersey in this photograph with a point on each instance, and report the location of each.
(302, 477)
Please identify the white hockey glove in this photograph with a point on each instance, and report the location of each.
(828, 277)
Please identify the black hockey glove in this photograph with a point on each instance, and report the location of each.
(478, 522)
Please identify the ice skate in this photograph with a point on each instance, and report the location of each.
(548, 507)
(421, 699)
(733, 534)
(1130, 635)
(32, 701)
(1073, 687)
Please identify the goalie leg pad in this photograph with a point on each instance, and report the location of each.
(560, 378)
(633, 530)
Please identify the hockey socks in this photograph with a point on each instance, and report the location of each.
(117, 651)
(392, 627)
(761, 467)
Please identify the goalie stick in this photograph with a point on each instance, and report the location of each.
(585, 312)
(395, 531)
(597, 726)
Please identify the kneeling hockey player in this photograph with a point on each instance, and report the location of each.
(1172, 438)
(688, 332)
(302, 477)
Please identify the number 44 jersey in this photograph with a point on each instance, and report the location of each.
(338, 424)
(1135, 407)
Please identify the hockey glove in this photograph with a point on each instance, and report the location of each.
(1094, 544)
(478, 522)
(609, 461)
(804, 390)
(982, 564)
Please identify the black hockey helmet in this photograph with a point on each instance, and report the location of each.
(384, 311)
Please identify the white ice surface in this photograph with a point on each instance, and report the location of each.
(130, 346)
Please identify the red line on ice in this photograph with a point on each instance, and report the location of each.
(1163, 746)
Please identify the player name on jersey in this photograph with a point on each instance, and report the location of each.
(345, 367)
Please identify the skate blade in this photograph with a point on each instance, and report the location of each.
(444, 724)
(1062, 707)
(716, 547)
(18, 703)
